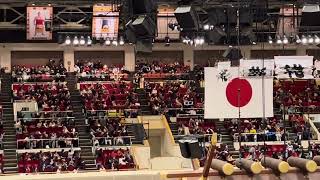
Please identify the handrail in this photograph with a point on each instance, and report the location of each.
(55, 140)
(166, 124)
(101, 74)
(37, 83)
(313, 128)
(95, 82)
(113, 140)
(46, 118)
(40, 75)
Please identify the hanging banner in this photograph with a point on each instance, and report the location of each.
(36, 19)
(166, 17)
(316, 72)
(228, 96)
(257, 67)
(299, 67)
(105, 21)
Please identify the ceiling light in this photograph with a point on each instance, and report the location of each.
(206, 27)
(82, 40)
(298, 40)
(316, 39)
(310, 39)
(115, 42)
(121, 41)
(167, 40)
(279, 41)
(285, 39)
(68, 40)
(89, 41)
(75, 40)
(270, 40)
(304, 39)
(107, 42)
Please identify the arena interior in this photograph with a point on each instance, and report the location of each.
(160, 89)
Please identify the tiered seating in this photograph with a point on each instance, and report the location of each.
(253, 131)
(53, 71)
(276, 151)
(175, 94)
(189, 125)
(49, 96)
(96, 71)
(46, 132)
(158, 70)
(56, 161)
(1, 128)
(297, 95)
(108, 95)
(114, 159)
(110, 131)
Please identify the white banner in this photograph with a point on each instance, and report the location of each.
(224, 65)
(226, 94)
(300, 67)
(257, 67)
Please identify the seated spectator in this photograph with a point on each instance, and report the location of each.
(53, 71)
(50, 161)
(50, 97)
(114, 159)
(109, 131)
(96, 71)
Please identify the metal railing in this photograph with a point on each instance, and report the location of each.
(205, 137)
(48, 114)
(37, 78)
(113, 141)
(43, 143)
(113, 113)
(258, 137)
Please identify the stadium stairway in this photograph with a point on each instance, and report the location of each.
(85, 142)
(144, 103)
(9, 139)
(227, 139)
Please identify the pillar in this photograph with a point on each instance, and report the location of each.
(5, 59)
(188, 56)
(68, 59)
(129, 58)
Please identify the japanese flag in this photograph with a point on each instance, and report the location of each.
(227, 94)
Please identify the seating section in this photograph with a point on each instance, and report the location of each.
(297, 95)
(46, 132)
(53, 71)
(275, 151)
(176, 94)
(49, 96)
(96, 71)
(114, 159)
(110, 131)
(198, 126)
(158, 70)
(57, 161)
(106, 96)
(1, 162)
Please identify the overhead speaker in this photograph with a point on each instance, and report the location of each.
(144, 26)
(245, 17)
(144, 45)
(143, 6)
(233, 54)
(187, 18)
(217, 16)
(216, 36)
(184, 149)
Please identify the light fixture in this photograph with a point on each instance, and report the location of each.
(115, 42)
(121, 41)
(285, 39)
(107, 42)
(82, 40)
(75, 40)
(270, 40)
(310, 39)
(201, 40)
(316, 39)
(68, 40)
(304, 40)
(167, 40)
(298, 40)
(206, 27)
(279, 41)
(89, 41)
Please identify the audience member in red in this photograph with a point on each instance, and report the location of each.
(50, 162)
(114, 159)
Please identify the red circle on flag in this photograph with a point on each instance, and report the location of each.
(244, 95)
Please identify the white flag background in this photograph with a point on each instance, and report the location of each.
(221, 97)
(305, 61)
(245, 65)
